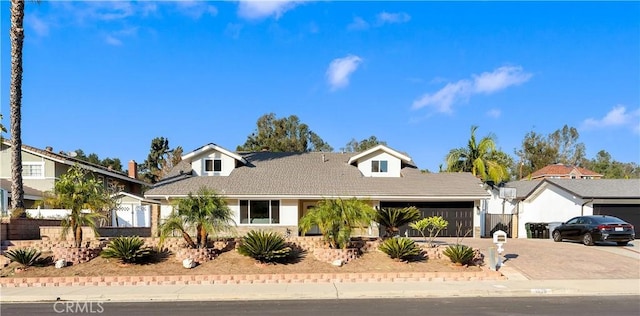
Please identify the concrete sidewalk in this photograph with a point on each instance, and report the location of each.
(222, 292)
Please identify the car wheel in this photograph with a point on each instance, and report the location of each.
(556, 236)
(587, 239)
(622, 243)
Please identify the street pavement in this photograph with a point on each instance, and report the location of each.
(532, 267)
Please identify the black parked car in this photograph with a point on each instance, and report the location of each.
(591, 229)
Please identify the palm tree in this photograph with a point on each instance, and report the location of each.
(78, 190)
(475, 158)
(15, 102)
(336, 219)
(206, 211)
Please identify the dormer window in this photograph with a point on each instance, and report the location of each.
(379, 166)
(213, 165)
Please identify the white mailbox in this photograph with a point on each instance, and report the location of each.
(499, 237)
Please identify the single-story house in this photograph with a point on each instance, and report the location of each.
(42, 167)
(273, 190)
(558, 200)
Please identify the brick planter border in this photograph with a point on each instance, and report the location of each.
(483, 275)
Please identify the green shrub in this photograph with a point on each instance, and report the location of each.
(24, 256)
(127, 250)
(264, 246)
(400, 248)
(459, 254)
(393, 218)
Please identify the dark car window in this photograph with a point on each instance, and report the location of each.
(573, 220)
(607, 219)
(587, 221)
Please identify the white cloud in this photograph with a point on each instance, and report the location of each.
(444, 99)
(255, 9)
(494, 113)
(111, 40)
(386, 17)
(358, 24)
(340, 69)
(196, 9)
(382, 18)
(618, 116)
(499, 79)
(39, 25)
(487, 83)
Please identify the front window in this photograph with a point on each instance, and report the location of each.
(259, 212)
(378, 166)
(33, 170)
(213, 165)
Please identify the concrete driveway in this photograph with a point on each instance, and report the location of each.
(544, 259)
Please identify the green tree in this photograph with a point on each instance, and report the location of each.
(360, 146)
(16, 35)
(433, 225)
(570, 151)
(160, 160)
(113, 163)
(561, 146)
(205, 211)
(336, 219)
(172, 158)
(283, 135)
(476, 158)
(536, 153)
(609, 168)
(76, 190)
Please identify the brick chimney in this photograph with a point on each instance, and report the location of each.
(133, 169)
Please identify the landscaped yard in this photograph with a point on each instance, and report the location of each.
(231, 262)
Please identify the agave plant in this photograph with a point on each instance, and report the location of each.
(401, 248)
(127, 250)
(459, 254)
(264, 246)
(24, 256)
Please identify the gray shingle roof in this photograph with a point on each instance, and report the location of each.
(601, 188)
(307, 175)
(584, 188)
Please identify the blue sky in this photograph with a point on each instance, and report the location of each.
(108, 77)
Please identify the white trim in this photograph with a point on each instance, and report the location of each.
(215, 147)
(320, 197)
(33, 163)
(133, 196)
(378, 148)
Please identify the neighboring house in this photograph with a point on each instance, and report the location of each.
(561, 171)
(41, 168)
(558, 200)
(273, 190)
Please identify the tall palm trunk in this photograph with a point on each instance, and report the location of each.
(15, 102)
(78, 236)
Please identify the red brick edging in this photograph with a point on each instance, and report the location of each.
(251, 279)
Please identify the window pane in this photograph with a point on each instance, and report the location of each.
(29, 170)
(275, 212)
(217, 165)
(259, 212)
(383, 166)
(208, 165)
(244, 211)
(375, 166)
